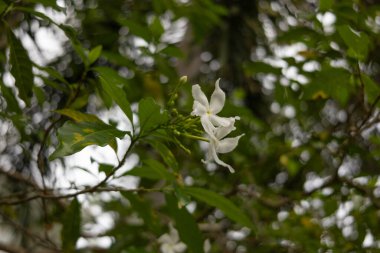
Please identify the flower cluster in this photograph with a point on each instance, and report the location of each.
(216, 127)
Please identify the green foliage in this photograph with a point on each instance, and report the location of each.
(150, 115)
(71, 230)
(220, 202)
(73, 137)
(111, 83)
(21, 68)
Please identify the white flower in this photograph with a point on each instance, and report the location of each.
(219, 144)
(215, 126)
(207, 111)
(170, 242)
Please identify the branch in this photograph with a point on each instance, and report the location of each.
(47, 194)
(12, 248)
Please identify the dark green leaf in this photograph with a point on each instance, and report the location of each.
(165, 153)
(156, 28)
(225, 205)
(330, 82)
(74, 137)
(358, 43)
(21, 68)
(71, 221)
(112, 83)
(79, 116)
(325, 5)
(10, 98)
(94, 54)
(106, 168)
(150, 115)
(371, 88)
(186, 225)
(173, 51)
(136, 28)
(143, 208)
(151, 169)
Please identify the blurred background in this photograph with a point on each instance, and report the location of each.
(302, 75)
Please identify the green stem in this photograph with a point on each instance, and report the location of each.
(195, 137)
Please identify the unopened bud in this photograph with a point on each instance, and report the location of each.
(183, 79)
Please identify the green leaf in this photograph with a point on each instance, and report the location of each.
(143, 209)
(112, 83)
(330, 82)
(371, 88)
(94, 54)
(225, 205)
(71, 221)
(156, 28)
(74, 137)
(358, 43)
(79, 116)
(186, 225)
(173, 51)
(136, 28)
(165, 153)
(106, 168)
(10, 98)
(150, 115)
(151, 169)
(21, 68)
(325, 5)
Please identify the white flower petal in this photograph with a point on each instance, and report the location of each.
(207, 125)
(167, 248)
(216, 158)
(179, 247)
(166, 238)
(199, 96)
(198, 109)
(220, 121)
(228, 144)
(218, 99)
(223, 131)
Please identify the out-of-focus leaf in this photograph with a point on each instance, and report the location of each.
(252, 68)
(330, 82)
(151, 169)
(325, 5)
(79, 116)
(10, 98)
(40, 94)
(222, 203)
(173, 51)
(136, 28)
(143, 208)
(111, 82)
(165, 153)
(94, 54)
(21, 68)
(372, 89)
(150, 115)
(357, 42)
(105, 167)
(73, 137)
(3, 6)
(156, 28)
(186, 225)
(71, 221)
